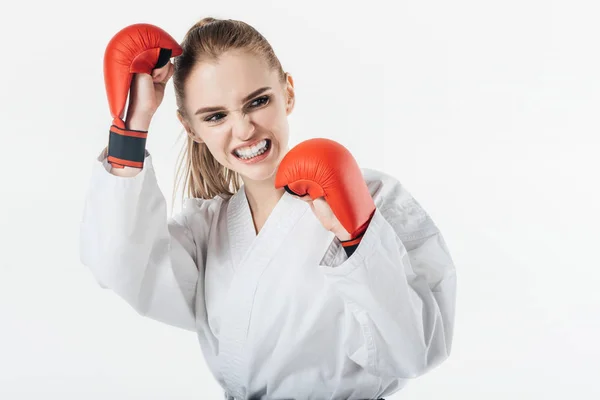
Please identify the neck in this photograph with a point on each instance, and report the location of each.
(262, 196)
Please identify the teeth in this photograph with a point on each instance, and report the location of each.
(252, 151)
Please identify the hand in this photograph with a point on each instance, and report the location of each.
(145, 96)
(323, 169)
(326, 217)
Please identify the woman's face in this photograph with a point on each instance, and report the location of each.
(238, 108)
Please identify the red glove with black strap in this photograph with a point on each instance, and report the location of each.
(324, 168)
(136, 49)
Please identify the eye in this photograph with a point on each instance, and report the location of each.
(261, 101)
(210, 119)
(256, 103)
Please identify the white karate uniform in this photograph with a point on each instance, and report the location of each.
(284, 314)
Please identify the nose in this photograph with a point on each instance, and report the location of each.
(243, 128)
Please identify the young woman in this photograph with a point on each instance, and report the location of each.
(304, 276)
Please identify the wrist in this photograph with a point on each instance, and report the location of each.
(138, 119)
(138, 124)
(342, 235)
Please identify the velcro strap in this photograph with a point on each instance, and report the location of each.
(128, 146)
(351, 242)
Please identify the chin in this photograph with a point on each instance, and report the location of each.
(258, 176)
(259, 172)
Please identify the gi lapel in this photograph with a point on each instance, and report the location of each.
(250, 254)
(240, 227)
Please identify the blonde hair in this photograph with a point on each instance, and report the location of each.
(207, 40)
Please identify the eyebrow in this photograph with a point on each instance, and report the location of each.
(218, 108)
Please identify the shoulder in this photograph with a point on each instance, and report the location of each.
(385, 188)
(397, 205)
(199, 213)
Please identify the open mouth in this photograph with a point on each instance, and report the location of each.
(253, 153)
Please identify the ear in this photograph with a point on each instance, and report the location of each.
(188, 129)
(291, 94)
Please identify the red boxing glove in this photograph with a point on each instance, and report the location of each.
(136, 49)
(324, 168)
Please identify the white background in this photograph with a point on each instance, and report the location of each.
(486, 111)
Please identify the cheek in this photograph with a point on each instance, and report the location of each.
(215, 143)
(272, 118)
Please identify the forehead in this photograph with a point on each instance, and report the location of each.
(226, 81)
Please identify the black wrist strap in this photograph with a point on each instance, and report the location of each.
(127, 145)
(350, 249)
(352, 244)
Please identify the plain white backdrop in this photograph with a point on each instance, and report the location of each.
(486, 111)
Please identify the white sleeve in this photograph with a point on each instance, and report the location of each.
(400, 286)
(133, 249)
